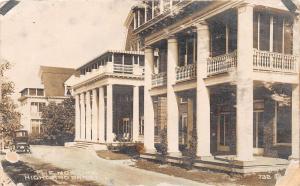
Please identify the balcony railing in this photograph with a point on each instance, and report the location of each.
(126, 69)
(275, 62)
(221, 64)
(159, 79)
(187, 72)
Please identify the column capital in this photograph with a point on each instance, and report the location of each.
(242, 7)
(148, 48)
(172, 38)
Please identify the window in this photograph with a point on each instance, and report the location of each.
(32, 92)
(282, 32)
(40, 92)
(141, 126)
(218, 39)
(277, 33)
(35, 126)
(187, 49)
(127, 59)
(264, 32)
(118, 58)
(37, 107)
(283, 123)
(288, 36)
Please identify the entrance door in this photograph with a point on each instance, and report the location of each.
(126, 129)
(258, 133)
(223, 132)
(183, 126)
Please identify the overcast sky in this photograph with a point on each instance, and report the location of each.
(64, 33)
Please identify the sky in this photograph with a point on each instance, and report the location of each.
(63, 33)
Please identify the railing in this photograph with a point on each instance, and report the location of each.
(126, 69)
(221, 64)
(187, 72)
(159, 79)
(276, 62)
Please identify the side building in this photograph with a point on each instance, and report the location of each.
(32, 100)
(109, 98)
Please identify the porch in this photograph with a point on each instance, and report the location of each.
(228, 163)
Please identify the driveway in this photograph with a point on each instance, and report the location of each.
(86, 163)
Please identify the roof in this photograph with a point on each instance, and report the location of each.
(112, 51)
(30, 88)
(53, 79)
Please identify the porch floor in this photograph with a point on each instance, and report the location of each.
(227, 163)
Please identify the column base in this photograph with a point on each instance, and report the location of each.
(150, 150)
(175, 154)
(206, 157)
(291, 157)
(243, 159)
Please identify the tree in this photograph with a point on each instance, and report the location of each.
(58, 121)
(10, 116)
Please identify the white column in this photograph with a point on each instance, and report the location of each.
(139, 18)
(136, 114)
(172, 106)
(77, 117)
(94, 116)
(161, 6)
(148, 104)
(203, 97)
(271, 32)
(88, 116)
(295, 122)
(101, 129)
(109, 114)
(146, 9)
(82, 116)
(295, 94)
(134, 21)
(244, 87)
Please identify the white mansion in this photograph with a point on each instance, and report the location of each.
(227, 69)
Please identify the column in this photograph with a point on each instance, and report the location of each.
(94, 116)
(172, 106)
(148, 104)
(146, 10)
(101, 130)
(136, 114)
(244, 86)
(138, 18)
(202, 97)
(82, 116)
(88, 116)
(295, 93)
(134, 20)
(109, 114)
(77, 117)
(295, 122)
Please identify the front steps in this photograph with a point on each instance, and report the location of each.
(86, 145)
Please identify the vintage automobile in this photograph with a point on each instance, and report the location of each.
(20, 141)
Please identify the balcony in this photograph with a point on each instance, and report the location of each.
(111, 69)
(221, 64)
(159, 79)
(274, 62)
(185, 73)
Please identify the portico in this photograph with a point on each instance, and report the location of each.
(107, 94)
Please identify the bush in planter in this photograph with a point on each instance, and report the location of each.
(139, 147)
(162, 148)
(189, 160)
